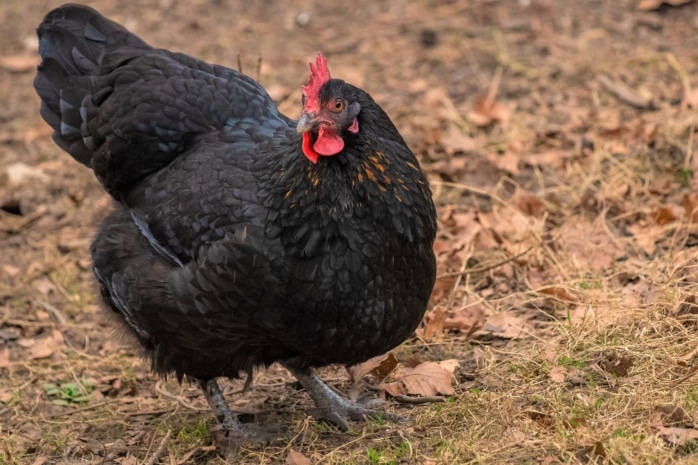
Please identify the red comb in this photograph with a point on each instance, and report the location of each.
(319, 75)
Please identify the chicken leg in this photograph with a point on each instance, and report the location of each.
(333, 408)
(227, 419)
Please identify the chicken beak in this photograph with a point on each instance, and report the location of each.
(306, 123)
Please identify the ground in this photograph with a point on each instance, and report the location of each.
(560, 142)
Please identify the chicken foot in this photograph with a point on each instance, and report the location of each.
(333, 408)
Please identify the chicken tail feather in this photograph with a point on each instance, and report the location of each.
(73, 43)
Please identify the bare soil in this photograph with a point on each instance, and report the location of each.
(560, 141)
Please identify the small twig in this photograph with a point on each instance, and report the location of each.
(51, 309)
(459, 278)
(179, 399)
(239, 63)
(494, 87)
(147, 412)
(160, 450)
(106, 452)
(420, 400)
(683, 75)
(151, 440)
(84, 409)
(346, 444)
(474, 190)
(27, 383)
(625, 94)
(259, 69)
(692, 372)
(407, 441)
(689, 149)
(481, 269)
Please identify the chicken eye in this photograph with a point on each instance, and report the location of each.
(338, 105)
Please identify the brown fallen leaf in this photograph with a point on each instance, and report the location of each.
(598, 450)
(575, 422)
(589, 244)
(664, 215)
(441, 247)
(450, 167)
(427, 379)
(683, 358)
(689, 202)
(6, 395)
(449, 365)
(512, 229)
(549, 354)
(558, 374)
(515, 434)
(465, 320)
(548, 460)
(296, 458)
(4, 357)
(487, 112)
(616, 364)
(640, 294)
(433, 324)
(509, 161)
(442, 288)
(46, 346)
(673, 415)
(646, 235)
(380, 367)
(559, 293)
(465, 231)
(664, 185)
(575, 377)
(594, 453)
(550, 158)
(528, 204)
(581, 315)
(688, 306)
(505, 325)
(454, 141)
(663, 420)
(542, 418)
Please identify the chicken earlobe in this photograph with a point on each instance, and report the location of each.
(333, 408)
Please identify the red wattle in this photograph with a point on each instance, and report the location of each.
(308, 151)
(328, 143)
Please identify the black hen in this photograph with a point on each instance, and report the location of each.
(240, 237)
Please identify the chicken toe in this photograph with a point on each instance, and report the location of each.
(333, 408)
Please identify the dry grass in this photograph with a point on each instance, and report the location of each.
(565, 213)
